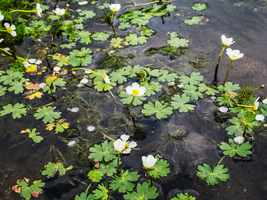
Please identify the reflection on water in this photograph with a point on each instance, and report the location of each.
(185, 140)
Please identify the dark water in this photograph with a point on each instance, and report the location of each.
(245, 21)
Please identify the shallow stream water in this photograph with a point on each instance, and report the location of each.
(245, 21)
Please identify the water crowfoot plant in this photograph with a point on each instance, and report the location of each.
(148, 163)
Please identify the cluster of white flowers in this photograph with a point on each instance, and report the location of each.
(233, 54)
(30, 62)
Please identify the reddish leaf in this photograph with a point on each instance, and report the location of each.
(16, 188)
(35, 194)
(33, 86)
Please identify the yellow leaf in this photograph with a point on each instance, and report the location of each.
(49, 127)
(50, 78)
(32, 68)
(36, 94)
(25, 131)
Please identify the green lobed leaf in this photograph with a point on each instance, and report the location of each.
(127, 99)
(161, 111)
(199, 6)
(11, 76)
(120, 75)
(2, 90)
(48, 114)
(191, 91)
(134, 40)
(160, 169)
(101, 192)
(123, 182)
(228, 86)
(17, 110)
(52, 168)
(194, 78)
(151, 87)
(180, 102)
(177, 42)
(184, 196)
(124, 25)
(95, 175)
(87, 14)
(103, 86)
(83, 196)
(100, 36)
(193, 20)
(109, 168)
(233, 148)
(146, 32)
(202, 87)
(143, 192)
(205, 172)
(34, 136)
(165, 76)
(104, 151)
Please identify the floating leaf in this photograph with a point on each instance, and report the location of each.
(17, 86)
(123, 182)
(103, 86)
(52, 168)
(104, 151)
(202, 87)
(100, 36)
(2, 90)
(143, 192)
(109, 168)
(165, 76)
(17, 110)
(194, 78)
(192, 92)
(68, 46)
(34, 136)
(146, 32)
(124, 26)
(233, 148)
(160, 169)
(47, 113)
(127, 99)
(161, 111)
(63, 60)
(228, 86)
(120, 75)
(212, 177)
(11, 76)
(184, 196)
(33, 95)
(26, 190)
(194, 20)
(87, 14)
(116, 42)
(134, 40)
(177, 42)
(83, 196)
(151, 87)
(199, 6)
(180, 102)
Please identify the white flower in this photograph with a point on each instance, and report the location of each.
(149, 161)
(234, 54)
(32, 61)
(114, 7)
(10, 29)
(256, 104)
(122, 146)
(87, 72)
(84, 81)
(41, 85)
(38, 9)
(39, 40)
(1, 40)
(227, 41)
(71, 143)
(135, 90)
(171, 83)
(59, 11)
(83, 3)
(80, 85)
(223, 109)
(213, 98)
(56, 69)
(259, 117)
(106, 78)
(239, 139)
(264, 101)
(90, 128)
(75, 109)
(26, 64)
(1, 17)
(78, 10)
(38, 62)
(180, 85)
(6, 48)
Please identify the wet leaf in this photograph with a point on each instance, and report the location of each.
(184, 196)
(205, 172)
(116, 42)
(68, 46)
(124, 26)
(160, 169)
(194, 20)
(17, 86)
(31, 86)
(146, 32)
(194, 78)
(191, 91)
(33, 135)
(127, 99)
(151, 87)
(177, 42)
(143, 192)
(228, 86)
(2, 90)
(109, 168)
(120, 75)
(233, 148)
(87, 14)
(123, 182)
(52, 168)
(101, 192)
(165, 76)
(104, 151)
(11, 76)
(63, 60)
(17, 110)
(134, 40)
(202, 87)
(48, 114)
(100, 36)
(180, 102)
(161, 111)
(49, 127)
(83, 196)
(199, 6)
(33, 95)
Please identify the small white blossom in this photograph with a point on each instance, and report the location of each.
(71, 143)
(39, 40)
(259, 117)
(264, 101)
(171, 83)
(90, 128)
(213, 98)
(234, 54)
(226, 41)
(78, 10)
(7, 48)
(135, 90)
(256, 104)
(239, 139)
(59, 11)
(75, 109)
(106, 78)
(149, 161)
(223, 109)
(83, 2)
(1, 17)
(180, 85)
(1, 40)
(80, 85)
(10, 29)
(122, 146)
(26, 64)
(56, 69)
(114, 7)
(84, 81)
(87, 72)
(38, 9)
(41, 85)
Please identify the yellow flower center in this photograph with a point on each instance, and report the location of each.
(104, 76)
(254, 107)
(9, 30)
(135, 92)
(234, 56)
(113, 9)
(59, 13)
(226, 45)
(126, 146)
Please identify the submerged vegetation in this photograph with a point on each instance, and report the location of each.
(133, 93)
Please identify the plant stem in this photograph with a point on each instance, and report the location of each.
(112, 17)
(149, 178)
(262, 86)
(227, 72)
(142, 4)
(112, 94)
(118, 163)
(131, 102)
(217, 66)
(25, 11)
(221, 160)
(107, 136)
(88, 188)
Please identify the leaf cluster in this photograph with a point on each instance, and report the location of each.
(143, 191)
(233, 148)
(177, 42)
(184, 196)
